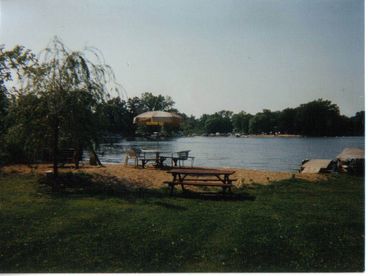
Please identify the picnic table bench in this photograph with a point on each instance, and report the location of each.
(201, 177)
(145, 156)
(158, 162)
(153, 155)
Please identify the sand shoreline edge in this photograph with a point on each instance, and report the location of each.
(153, 178)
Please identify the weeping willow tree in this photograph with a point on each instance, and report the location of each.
(70, 84)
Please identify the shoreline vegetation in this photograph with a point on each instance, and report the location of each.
(122, 219)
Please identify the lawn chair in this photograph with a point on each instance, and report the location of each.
(133, 153)
(181, 157)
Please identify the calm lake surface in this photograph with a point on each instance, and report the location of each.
(274, 154)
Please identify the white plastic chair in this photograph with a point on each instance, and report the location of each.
(181, 157)
(132, 153)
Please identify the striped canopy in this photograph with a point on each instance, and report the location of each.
(157, 118)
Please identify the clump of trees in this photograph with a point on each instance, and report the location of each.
(316, 118)
(117, 114)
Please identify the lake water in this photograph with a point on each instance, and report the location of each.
(274, 154)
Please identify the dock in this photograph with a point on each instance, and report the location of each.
(317, 166)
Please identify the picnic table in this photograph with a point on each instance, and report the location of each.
(201, 177)
(153, 155)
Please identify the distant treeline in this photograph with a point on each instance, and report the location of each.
(316, 118)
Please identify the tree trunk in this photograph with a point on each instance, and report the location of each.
(94, 158)
(55, 155)
(76, 156)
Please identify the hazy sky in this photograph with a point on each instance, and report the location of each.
(210, 55)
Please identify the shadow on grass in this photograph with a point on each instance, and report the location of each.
(94, 185)
(171, 206)
(285, 183)
(237, 196)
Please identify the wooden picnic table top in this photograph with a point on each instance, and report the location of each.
(154, 151)
(201, 171)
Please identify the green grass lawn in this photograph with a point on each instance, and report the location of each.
(285, 227)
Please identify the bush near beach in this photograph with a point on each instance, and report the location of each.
(93, 226)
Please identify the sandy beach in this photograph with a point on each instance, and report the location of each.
(154, 178)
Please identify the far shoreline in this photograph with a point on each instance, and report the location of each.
(274, 136)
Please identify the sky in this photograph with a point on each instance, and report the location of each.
(210, 55)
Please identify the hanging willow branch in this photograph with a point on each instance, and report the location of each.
(62, 70)
(71, 84)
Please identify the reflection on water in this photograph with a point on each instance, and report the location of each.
(276, 154)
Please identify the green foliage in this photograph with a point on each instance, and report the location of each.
(69, 87)
(116, 117)
(287, 121)
(357, 123)
(218, 122)
(81, 128)
(264, 122)
(26, 136)
(240, 122)
(15, 64)
(318, 118)
(290, 226)
(150, 102)
(190, 125)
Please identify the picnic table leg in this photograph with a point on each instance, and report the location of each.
(175, 161)
(181, 180)
(222, 180)
(181, 183)
(162, 159)
(171, 189)
(157, 160)
(223, 191)
(173, 184)
(229, 182)
(226, 180)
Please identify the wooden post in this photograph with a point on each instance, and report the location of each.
(55, 155)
